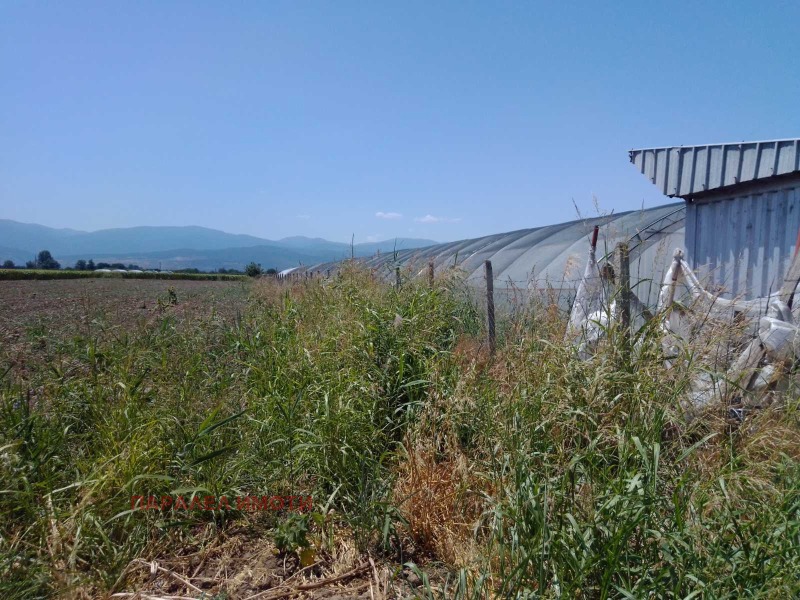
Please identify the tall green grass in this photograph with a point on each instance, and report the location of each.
(584, 479)
(528, 475)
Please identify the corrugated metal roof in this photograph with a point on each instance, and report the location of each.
(686, 171)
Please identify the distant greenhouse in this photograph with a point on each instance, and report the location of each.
(547, 259)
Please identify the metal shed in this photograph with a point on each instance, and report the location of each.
(742, 208)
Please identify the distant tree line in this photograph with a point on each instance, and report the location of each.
(255, 269)
(45, 260)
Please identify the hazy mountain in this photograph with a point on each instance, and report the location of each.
(296, 241)
(179, 247)
(273, 255)
(31, 237)
(20, 257)
(207, 260)
(369, 248)
(319, 245)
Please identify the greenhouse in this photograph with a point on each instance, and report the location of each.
(546, 259)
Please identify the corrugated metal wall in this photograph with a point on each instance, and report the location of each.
(742, 243)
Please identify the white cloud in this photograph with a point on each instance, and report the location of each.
(373, 238)
(303, 217)
(431, 219)
(388, 215)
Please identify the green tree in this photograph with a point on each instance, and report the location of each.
(90, 265)
(253, 269)
(45, 260)
(271, 271)
(9, 264)
(80, 265)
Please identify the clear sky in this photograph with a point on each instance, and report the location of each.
(442, 120)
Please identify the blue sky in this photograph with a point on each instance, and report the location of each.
(441, 120)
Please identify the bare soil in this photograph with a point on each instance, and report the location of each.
(38, 316)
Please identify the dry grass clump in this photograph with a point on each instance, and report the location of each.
(441, 503)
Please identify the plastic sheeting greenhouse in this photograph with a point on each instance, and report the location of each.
(547, 259)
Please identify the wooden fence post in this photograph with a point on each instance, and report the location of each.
(490, 306)
(397, 279)
(624, 290)
(430, 273)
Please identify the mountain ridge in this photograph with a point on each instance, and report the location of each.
(174, 247)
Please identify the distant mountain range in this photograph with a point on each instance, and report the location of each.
(179, 247)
